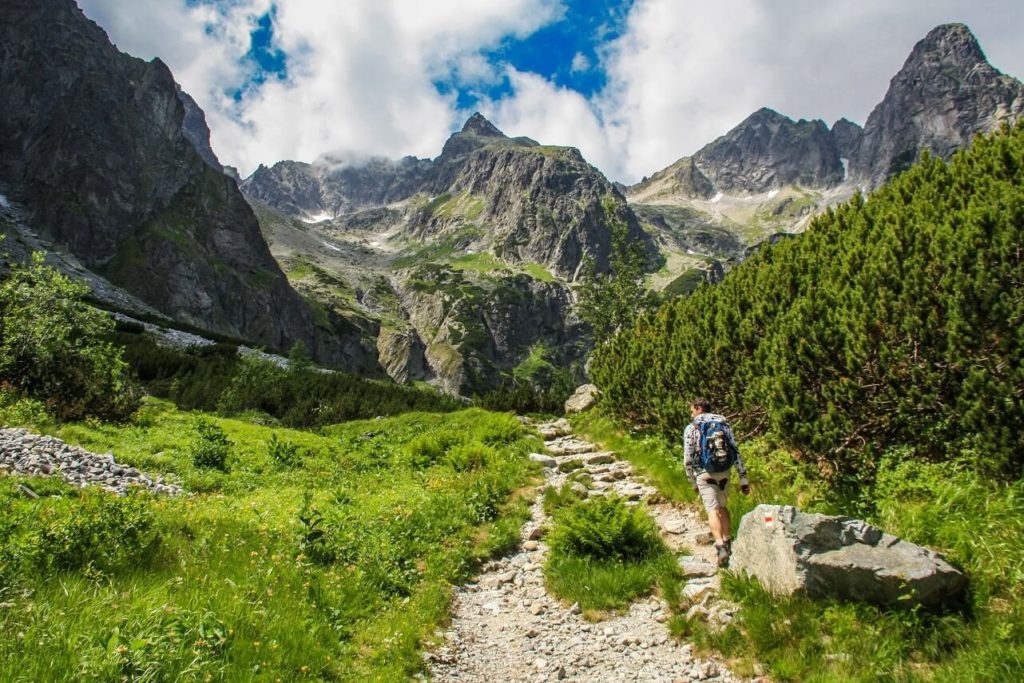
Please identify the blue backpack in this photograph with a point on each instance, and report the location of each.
(717, 454)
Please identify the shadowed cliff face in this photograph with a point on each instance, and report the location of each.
(93, 145)
(768, 151)
(945, 93)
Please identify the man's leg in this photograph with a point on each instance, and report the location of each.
(715, 520)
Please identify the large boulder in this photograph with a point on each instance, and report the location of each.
(796, 553)
(582, 399)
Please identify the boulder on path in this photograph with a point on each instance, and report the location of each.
(582, 399)
(796, 553)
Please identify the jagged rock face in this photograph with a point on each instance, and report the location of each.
(331, 189)
(540, 204)
(476, 332)
(93, 145)
(767, 151)
(534, 203)
(945, 93)
(193, 125)
(847, 135)
(403, 355)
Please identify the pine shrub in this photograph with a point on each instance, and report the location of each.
(892, 321)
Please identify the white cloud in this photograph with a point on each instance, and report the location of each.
(580, 63)
(361, 72)
(551, 115)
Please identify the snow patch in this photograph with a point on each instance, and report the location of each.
(330, 246)
(4, 204)
(771, 195)
(846, 168)
(717, 198)
(317, 218)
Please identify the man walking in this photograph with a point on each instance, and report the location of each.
(709, 453)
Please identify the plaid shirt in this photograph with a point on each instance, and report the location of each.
(691, 448)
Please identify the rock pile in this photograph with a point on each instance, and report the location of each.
(505, 626)
(23, 452)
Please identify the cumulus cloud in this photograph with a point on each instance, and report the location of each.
(362, 73)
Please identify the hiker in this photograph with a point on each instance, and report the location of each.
(709, 452)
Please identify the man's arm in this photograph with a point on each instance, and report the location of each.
(689, 453)
(740, 467)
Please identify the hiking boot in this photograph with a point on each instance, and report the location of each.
(723, 554)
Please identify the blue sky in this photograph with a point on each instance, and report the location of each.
(566, 51)
(634, 84)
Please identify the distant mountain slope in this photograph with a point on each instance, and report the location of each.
(531, 203)
(104, 156)
(770, 174)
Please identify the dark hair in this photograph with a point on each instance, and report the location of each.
(702, 403)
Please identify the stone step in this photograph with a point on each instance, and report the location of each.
(569, 446)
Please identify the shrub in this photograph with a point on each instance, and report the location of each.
(426, 449)
(283, 453)
(211, 446)
(469, 456)
(52, 346)
(102, 531)
(605, 528)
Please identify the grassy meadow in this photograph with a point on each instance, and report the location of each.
(324, 555)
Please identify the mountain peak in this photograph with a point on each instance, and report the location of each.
(477, 124)
(945, 93)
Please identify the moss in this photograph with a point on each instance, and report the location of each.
(685, 284)
(538, 272)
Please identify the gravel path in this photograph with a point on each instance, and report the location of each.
(23, 452)
(505, 626)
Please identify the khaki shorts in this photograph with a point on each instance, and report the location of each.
(712, 490)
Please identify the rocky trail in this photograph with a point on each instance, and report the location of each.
(506, 627)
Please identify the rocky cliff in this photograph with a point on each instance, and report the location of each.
(104, 155)
(530, 203)
(945, 93)
(768, 151)
(770, 175)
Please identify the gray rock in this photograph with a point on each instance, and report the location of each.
(675, 526)
(584, 398)
(599, 458)
(545, 460)
(791, 552)
(692, 568)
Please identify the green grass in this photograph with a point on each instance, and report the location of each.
(538, 272)
(685, 284)
(604, 553)
(602, 586)
(337, 566)
(480, 262)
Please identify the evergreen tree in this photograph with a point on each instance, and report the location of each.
(612, 299)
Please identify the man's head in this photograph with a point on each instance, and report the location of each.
(698, 406)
